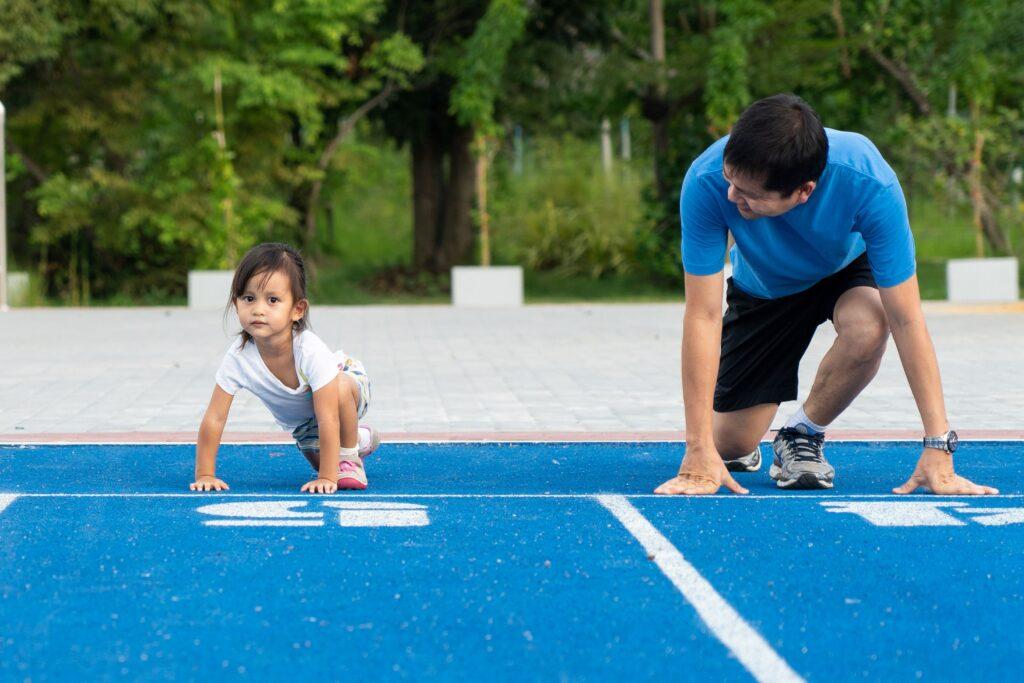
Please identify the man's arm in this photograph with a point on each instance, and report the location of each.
(910, 333)
(702, 470)
(701, 353)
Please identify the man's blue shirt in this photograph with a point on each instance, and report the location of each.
(857, 204)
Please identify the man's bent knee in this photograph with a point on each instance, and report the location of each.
(866, 340)
(738, 433)
(731, 448)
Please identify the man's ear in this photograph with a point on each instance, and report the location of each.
(805, 190)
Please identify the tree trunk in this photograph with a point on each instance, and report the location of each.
(985, 225)
(844, 54)
(427, 200)
(457, 231)
(904, 76)
(345, 128)
(656, 107)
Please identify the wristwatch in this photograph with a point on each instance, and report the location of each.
(945, 442)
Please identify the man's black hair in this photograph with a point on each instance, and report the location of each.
(780, 140)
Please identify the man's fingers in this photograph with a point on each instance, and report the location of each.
(687, 486)
(968, 487)
(909, 487)
(671, 487)
(733, 485)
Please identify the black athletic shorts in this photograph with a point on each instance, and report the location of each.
(763, 340)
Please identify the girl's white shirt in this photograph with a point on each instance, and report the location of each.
(315, 365)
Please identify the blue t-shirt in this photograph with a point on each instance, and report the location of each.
(857, 204)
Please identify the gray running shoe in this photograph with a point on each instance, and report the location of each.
(751, 462)
(799, 461)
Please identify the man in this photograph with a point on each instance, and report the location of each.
(821, 233)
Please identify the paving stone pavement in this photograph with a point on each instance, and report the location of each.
(545, 368)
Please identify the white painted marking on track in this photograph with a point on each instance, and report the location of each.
(996, 516)
(264, 522)
(279, 513)
(902, 513)
(262, 513)
(370, 513)
(6, 499)
(269, 509)
(749, 647)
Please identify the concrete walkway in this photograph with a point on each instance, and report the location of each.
(551, 369)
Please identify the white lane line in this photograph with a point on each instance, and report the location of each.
(752, 651)
(6, 499)
(265, 522)
(679, 499)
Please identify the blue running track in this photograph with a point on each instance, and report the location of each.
(499, 561)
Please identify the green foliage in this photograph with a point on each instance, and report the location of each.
(121, 152)
(30, 31)
(479, 70)
(727, 91)
(565, 215)
(117, 183)
(368, 225)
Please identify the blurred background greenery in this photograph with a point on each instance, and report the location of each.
(146, 138)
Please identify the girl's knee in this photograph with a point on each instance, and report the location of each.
(348, 389)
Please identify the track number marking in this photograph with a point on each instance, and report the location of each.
(281, 513)
(931, 513)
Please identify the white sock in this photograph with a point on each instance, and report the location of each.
(800, 421)
(351, 454)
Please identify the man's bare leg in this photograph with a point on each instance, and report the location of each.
(738, 433)
(854, 358)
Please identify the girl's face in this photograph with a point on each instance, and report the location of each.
(266, 308)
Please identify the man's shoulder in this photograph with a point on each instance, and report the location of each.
(710, 160)
(855, 156)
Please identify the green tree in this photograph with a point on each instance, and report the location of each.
(160, 136)
(478, 82)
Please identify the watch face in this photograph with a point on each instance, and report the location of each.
(952, 441)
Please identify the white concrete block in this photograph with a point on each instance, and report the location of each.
(209, 288)
(982, 279)
(491, 286)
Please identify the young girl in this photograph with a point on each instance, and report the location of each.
(316, 394)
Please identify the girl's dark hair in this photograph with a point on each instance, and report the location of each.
(781, 140)
(265, 260)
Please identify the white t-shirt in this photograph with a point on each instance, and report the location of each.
(315, 364)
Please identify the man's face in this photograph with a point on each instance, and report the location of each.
(753, 201)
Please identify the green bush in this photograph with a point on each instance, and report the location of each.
(368, 222)
(565, 214)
